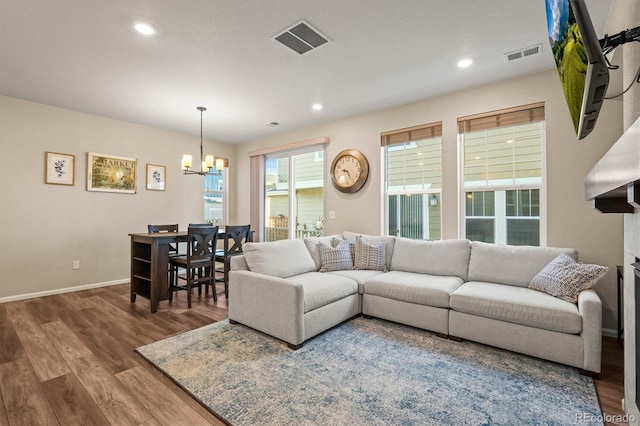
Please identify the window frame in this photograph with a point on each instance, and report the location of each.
(224, 193)
(394, 139)
(542, 186)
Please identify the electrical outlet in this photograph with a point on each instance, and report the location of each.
(76, 264)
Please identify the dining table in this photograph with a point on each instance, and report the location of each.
(150, 264)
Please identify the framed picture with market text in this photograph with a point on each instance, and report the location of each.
(59, 169)
(155, 177)
(110, 173)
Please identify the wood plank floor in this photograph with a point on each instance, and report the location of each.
(69, 359)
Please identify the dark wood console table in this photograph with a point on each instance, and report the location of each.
(149, 265)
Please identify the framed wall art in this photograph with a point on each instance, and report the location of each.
(59, 169)
(155, 177)
(109, 173)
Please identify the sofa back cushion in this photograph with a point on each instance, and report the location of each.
(314, 248)
(511, 265)
(283, 259)
(373, 240)
(446, 257)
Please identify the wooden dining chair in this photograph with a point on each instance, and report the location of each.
(199, 262)
(234, 237)
(153, 229)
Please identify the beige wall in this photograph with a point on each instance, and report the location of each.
(69, 223)
(46, 227)
(571, 221)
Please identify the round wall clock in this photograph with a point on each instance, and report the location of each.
(349, 171)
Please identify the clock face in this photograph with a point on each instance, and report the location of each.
(346, 171)
(349, 171)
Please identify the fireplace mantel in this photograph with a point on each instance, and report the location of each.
(614, 182)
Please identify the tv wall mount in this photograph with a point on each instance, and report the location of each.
(609, 43)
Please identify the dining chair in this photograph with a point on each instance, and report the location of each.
(234, 237)
(153, 229)
(199, 262)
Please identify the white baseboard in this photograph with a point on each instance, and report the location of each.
(61, 290)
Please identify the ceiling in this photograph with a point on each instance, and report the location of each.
(85, 56)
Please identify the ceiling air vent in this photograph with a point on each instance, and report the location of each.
(301, 37)
(523, 53)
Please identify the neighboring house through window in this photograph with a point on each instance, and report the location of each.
(502, 175)
(413, 181)
(216, 196)
(288, 186)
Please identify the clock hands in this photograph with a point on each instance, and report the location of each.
(349, 174)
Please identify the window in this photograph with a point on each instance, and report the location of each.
(413, 181)
(502, 176)
(301, 173)
(215, 197)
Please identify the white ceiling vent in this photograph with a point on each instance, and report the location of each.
(301, 37)
(523, 53)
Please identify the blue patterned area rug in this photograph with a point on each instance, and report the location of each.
(370, 372)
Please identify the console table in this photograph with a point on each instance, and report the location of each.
(149, 265)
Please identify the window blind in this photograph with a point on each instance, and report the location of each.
(424, 131)
(503, 148)
(507, 117)
(413, 158)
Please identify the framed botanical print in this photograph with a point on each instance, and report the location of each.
(59, 169)
(110, 173)
(156, 176)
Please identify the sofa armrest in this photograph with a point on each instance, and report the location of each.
(269, 304)
(590, 307)
(238, 263)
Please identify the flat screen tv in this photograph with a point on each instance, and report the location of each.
(581, 64)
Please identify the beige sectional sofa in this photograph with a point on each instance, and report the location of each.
(455, 288)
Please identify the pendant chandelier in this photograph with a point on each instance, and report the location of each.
(209, 164)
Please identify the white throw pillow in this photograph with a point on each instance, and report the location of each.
(565, 278)
(336, 258)
(369, 256)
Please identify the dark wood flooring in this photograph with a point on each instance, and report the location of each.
(69, 360)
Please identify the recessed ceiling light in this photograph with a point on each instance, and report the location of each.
(144, 29)
(316, 107)
(464, 63)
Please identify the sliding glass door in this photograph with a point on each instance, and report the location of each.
(294, 194)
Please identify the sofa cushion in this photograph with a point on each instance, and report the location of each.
(565, 278)
(517, 305)
(421, 289)
(322, 289)
(359, 276)
(511, 265)
(282, 259)
(446, 257)
(336, 258)
(314, 250)
(369, 256)
(372, 239)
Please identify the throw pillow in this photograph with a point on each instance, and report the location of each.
(565, 278)
(352, 246)
(336, 258)
(368, 256)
